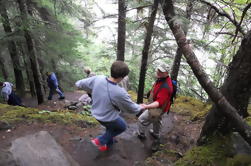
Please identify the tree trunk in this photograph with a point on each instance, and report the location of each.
(20, 85)
(145, 51)
(3, 69)
(177, 59)
(32, 53)
(222, 104)
(27, 69)
(236, 89)
(121, 30)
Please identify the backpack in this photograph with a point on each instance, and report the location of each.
(173, 96)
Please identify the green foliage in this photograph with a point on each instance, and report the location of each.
(16, 114)
(68, 38)
(203, 44)
(241, 1)
(191, 107)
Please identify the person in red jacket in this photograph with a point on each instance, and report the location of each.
(159, 103)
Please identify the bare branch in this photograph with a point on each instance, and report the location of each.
(225, 14)
(243, 15)
(216, 36)
(161, 57)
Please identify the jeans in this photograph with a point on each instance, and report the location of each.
(52, 90)
(113, 129)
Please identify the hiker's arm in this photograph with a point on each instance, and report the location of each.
(125, 103)
(152, 105)
(86, 84)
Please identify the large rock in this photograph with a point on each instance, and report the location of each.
(240, 146)
(40, 149)
(6, 159)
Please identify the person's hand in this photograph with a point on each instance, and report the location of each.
(143, 106)
(141, 110)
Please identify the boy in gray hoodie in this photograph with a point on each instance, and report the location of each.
(108, 100)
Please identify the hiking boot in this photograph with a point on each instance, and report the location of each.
(115, 140)
(156, 136)
(61, 98)
(155, 145)
(141, 136)
(100, 147)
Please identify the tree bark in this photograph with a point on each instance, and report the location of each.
(3, 69)
(236, 89)
(27, 69)
(20, 85)
(145, 51)
(177, 59)
(222, 104)
(121, 30)
(32, 53)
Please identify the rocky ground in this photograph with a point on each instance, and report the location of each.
(179, 134)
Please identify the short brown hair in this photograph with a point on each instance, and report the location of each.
(87, 70)
(119, 69)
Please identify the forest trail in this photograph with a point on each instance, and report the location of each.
(128, 150)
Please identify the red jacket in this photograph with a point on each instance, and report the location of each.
(164, 94)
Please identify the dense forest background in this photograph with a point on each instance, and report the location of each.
(69, 35)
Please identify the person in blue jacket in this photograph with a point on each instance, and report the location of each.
(53, 85)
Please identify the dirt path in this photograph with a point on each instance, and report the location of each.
(128, 150)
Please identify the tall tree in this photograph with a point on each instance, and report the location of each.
(20, 85)
(236, 89)
(220, 101)
(27, 68)
(145, 51)
(3, 69)
(177, 59)
(121, 30)
(32, 51)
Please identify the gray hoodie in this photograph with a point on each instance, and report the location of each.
(107, 98)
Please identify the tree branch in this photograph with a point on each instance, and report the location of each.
(223, 13)
(239, 25)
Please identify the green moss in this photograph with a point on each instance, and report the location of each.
(133, 95)
(216, 152)
(191, 107)
(249, 109)
(15, 114)
(248, 120)
(239, 160)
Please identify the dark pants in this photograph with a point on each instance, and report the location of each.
(14, 99)
(113, 129)
(53, 90)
